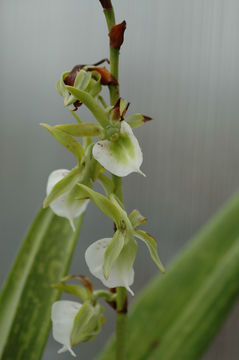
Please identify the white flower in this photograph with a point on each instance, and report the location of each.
(120, 275)
(63, 314)
(65, 205)
(122, 156)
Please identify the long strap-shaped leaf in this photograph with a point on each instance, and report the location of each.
(177, 316)
(25, 301)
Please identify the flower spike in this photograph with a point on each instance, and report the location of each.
(121, 156)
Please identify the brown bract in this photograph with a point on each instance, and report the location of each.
(116, 35)
(70, 78)
(106, 4)
(106, 77)
(116, 111)
(113, 304)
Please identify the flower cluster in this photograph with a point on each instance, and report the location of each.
(116, 151)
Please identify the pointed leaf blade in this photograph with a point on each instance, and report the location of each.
(178, 315)
(27, 296)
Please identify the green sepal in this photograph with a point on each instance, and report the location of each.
(127, 256)
(136, 218)
(60, 85)
(94, 87)
(82, 81)
(152, 246)
(86, 323)
(103, 203)
(113, 251)
(66, 184)
(135, 120)
(66, 140)
(73, 289)
(91, 103)
(123, 106)
(86, 129)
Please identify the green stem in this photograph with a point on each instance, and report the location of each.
(121, 317)
(114, 58)
(121, 323)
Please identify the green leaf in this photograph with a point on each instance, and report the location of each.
(66, 184)
(27, 296)
(151, 243)
(136, 218)
(178, 314)
(86, 129)
(66, 140)
(112, 252)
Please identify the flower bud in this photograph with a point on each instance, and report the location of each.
(63, 315)
(120, 274)
(123, 155)
(65, 205)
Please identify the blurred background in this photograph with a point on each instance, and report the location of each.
(179, 65)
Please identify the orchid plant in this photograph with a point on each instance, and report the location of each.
(177, 315)
(109, 147)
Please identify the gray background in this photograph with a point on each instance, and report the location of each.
(179, 64)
